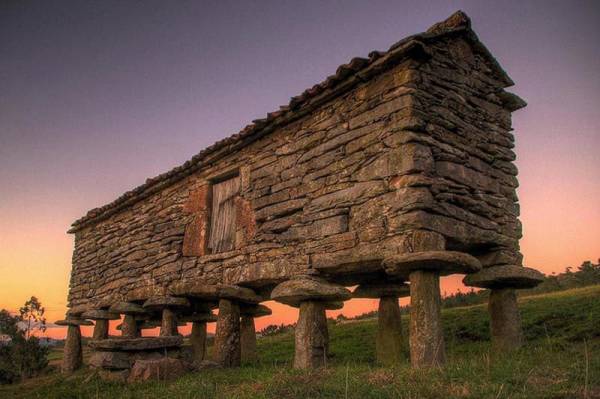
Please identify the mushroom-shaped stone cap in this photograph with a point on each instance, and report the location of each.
(198, 317)
(255, 310)
(305, 288)
(127, 308)
(381, 289)
(161, 302)
(444, 262)
(507, 276)
(74, 322)
(100, 314)
(214, 292)
(333, 305)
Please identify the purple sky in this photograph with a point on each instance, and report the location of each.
(96, 96)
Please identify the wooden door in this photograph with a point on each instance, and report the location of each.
(222, 221)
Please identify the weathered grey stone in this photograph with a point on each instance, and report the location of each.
(168, 326)
(426, 335)
(443, 262)
(72, 352)
(293, 292)
(100, 329)
(505, 320)
(130, 328)
(198, 341)
(227, 350)
(311, 336)
(247, 338)
(506, 276)
(381, 289)
(136, 344)
(164, 369)
(388, 342)
(110, 360)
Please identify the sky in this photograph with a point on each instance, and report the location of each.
(97, 96)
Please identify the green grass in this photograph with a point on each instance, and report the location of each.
(560, 360)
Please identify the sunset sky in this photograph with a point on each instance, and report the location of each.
(96, 96)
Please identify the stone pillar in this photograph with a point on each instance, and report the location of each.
(248, 338)
(198, 340)
(311, 336)
(505, 320)
(72, 353)
(130, 328)
(227, 351)
(100, 329)
(388, 342)
(426, 335)
(169, 323)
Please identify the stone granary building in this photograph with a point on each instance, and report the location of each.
(394, 171)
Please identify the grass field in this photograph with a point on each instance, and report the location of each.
(560, 360)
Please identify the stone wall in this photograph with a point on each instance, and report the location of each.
(423, 144)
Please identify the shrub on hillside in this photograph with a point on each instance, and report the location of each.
(21, 355)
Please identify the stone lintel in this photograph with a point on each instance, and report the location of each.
(100, 314)
(136, 344)
(198, 317)
(381, 290)
(161, 302)
(127, 308)
(507, 276)
(73, 322)
(214, 292)
(443, 262)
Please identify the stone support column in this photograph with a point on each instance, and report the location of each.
(311, 336)
(388, 342)
(130, 328)
(248, 338)
(168, 325)
(100, 329)
(249, 312)
(389, 339)
(198, 340)
(505, 320)
(425, 259)
(312, 295)
(227, 351)
(426, 334)
(502, 281)
(72, 352)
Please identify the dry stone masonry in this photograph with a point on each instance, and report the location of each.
(394, 171)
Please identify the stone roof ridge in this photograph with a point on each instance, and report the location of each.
(357, 70)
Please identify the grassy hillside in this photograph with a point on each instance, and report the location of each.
(561, 360)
